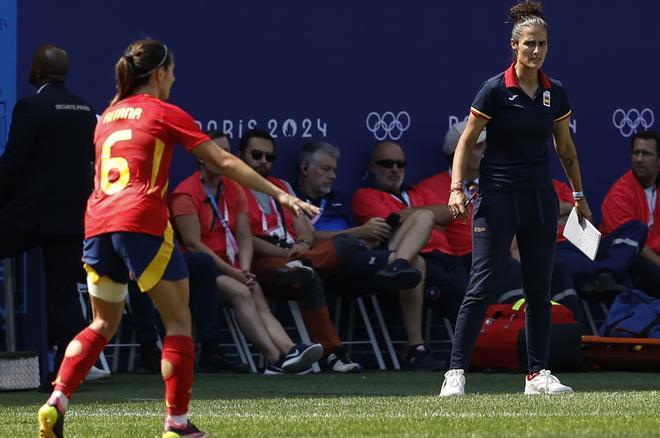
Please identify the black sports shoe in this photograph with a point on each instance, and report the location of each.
(294, 273)
(211, 360)
(421, 358)
(176, 430)
(301, 356)
(51, 422)
(275, 369)
(398, 275)
(601, 287)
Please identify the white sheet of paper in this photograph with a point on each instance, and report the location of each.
(583, 235)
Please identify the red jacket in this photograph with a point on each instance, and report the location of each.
(368, 203)
(458, 235)
(626, 201)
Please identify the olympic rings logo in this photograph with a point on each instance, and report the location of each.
(627, 122)
(388, 124)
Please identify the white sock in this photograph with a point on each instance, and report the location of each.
(180, 419)
(60, 400)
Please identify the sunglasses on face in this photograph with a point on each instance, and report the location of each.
(257, 155)
(400, 164)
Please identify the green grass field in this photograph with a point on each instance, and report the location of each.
(369, 404)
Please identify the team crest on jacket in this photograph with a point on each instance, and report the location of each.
(546, 98)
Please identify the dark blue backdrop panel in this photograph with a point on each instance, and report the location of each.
(8, 35)
(312, 70)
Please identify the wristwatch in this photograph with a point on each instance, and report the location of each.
(306, 242)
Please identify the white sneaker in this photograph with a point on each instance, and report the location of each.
(97, 374)
(339, 362)
(544, 382)
(454, 383)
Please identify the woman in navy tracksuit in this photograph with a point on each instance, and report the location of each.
(522, 108)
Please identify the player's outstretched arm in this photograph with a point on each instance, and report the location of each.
(240, 172)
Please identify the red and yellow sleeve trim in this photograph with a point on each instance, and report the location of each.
(478, 113)
(564, 116)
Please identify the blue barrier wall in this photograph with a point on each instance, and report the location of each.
(318, 69)
(8, 33)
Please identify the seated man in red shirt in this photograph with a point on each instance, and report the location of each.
(280, 237)
(634, 197)
(210, 215)
(387, 197)
(317, 166)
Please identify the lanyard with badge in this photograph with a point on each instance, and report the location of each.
(651, 197)
(279, 230)
(231, 244)
(322, 204)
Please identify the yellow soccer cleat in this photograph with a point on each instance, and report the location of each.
(51, 422)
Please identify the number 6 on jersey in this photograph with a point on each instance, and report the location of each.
(115, 172)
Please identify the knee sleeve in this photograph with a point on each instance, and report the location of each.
(106, 289)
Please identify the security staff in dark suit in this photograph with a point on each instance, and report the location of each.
(45, 179)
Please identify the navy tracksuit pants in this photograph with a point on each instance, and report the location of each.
(531, 216)
(616, 253)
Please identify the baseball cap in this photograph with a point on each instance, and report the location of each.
(454, 133)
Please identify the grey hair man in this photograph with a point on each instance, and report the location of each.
(384, 248)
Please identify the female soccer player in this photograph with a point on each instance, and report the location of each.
(522, 108)
(127, 231)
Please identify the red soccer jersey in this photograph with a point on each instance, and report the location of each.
(134, 140)
(458, 234)
(368, 203)
(626, 201)
(264, 221)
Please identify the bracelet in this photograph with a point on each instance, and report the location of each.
(578, 195)
(306, 242)
(456, 186)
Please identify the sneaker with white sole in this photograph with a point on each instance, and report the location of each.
(294, 273)
(274, 369)
(301, 356)
(96, 374)
(454, 383)
(339, 362)
(544, 382)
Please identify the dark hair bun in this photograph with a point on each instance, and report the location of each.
(526, 9)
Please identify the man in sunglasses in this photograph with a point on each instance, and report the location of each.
(317, 166)
(387, 197)
(280, 237)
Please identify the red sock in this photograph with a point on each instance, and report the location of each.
(179, 351)
(73, 370)
(320, 328)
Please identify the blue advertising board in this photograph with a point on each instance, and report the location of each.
(353, 73)
(8, 32)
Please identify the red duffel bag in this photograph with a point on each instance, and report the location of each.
(501, 345)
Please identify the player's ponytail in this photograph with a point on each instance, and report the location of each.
(139, 61)
(526, 14)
